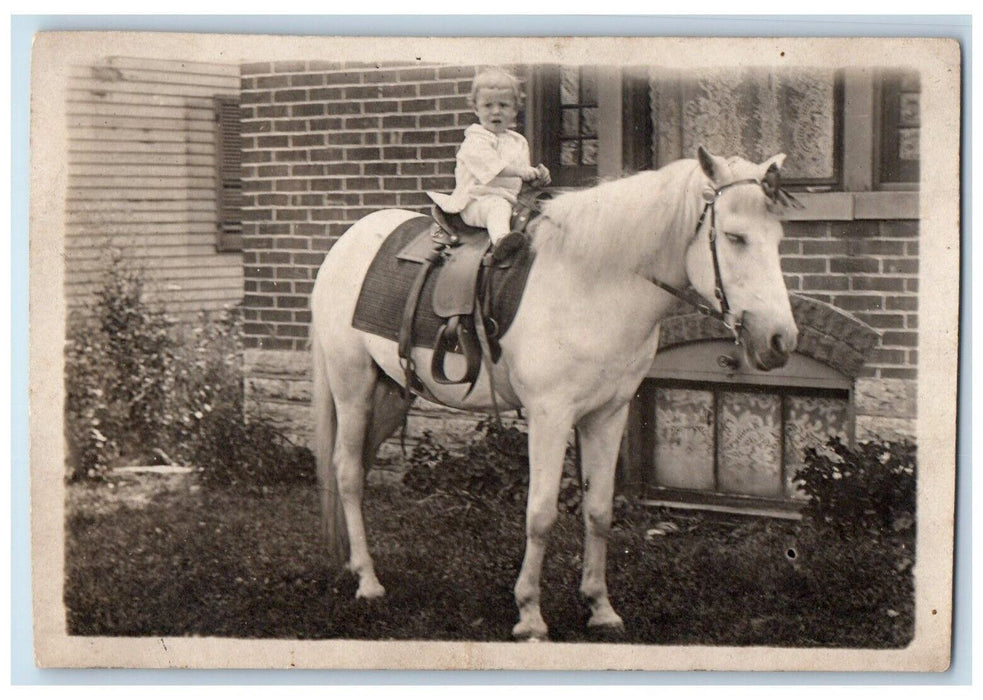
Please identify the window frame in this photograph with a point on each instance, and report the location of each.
(857, 197)
(883, 123)
(546, 130)
(670, 95)
(639, 468)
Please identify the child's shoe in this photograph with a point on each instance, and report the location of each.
(508, 246)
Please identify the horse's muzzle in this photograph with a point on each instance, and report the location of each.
(770, 351)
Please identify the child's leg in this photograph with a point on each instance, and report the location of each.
(494, 213)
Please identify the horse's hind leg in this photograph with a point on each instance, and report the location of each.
(354, 384)
(389, 408)
(600, 436)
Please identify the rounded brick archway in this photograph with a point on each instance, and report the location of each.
(826, 333)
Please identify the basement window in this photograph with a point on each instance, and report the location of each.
(718, 434)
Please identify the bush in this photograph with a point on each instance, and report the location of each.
(139, 383)
(117, 373)
(871, 487)
(493, 470)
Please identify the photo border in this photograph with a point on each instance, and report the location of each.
(20, 25)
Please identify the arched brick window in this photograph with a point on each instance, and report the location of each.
(707, 429)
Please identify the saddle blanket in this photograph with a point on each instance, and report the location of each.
(379, 309)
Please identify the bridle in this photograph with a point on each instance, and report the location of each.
(773, 191)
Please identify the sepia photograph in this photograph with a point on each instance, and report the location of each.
(542, 353)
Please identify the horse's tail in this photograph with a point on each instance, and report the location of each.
(325, 426)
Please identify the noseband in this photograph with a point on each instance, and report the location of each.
(774, 192)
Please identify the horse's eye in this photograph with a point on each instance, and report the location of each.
(736, 238)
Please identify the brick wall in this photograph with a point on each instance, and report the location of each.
(869, 269)
(324, 145)
(327, 143)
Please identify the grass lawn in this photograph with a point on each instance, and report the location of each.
(158, 556)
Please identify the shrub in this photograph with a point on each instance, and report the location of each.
(231, 451)
(137, 381)
(870, 487)
(116, 373)
(493, 470)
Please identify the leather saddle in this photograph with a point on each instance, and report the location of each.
(459, 256)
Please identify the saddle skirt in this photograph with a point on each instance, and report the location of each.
(461, 281)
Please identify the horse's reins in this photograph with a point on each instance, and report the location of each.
(773, 191)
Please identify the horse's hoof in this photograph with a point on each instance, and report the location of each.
(370, 591)
(525, 633)
(607, 631)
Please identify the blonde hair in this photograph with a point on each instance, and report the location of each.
(495, 79)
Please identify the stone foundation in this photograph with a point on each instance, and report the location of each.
(885, 408)
(278, 387)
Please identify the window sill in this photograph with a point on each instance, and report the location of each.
(853, 206)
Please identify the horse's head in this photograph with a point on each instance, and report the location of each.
(733, 259)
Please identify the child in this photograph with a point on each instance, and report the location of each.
(492, 162)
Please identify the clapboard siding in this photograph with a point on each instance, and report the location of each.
(181, 266)
(185, 303)
(180, 110)
(97, 169)
(157, 215)
(78, 97)
(184, 278)
(146, 160)
(91, 191)
(173, 133)
(145, 252)
(142, 180)
(111, 209)
(229, 70)
(180, 124)
(82, 143)
(103, 91)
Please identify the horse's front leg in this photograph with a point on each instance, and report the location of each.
(600, 439)
(548, 433)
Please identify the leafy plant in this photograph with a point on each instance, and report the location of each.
(870, 487)
(138, 381)
(492, 470)
(117, 379)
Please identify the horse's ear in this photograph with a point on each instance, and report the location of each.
(771, 184)
(773, 163)
(714, 167)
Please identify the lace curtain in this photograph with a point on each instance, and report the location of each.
(745, 443)
(749, 112)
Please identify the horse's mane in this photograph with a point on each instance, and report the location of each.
(622, 226)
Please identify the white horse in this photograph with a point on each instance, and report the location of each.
(584, 336)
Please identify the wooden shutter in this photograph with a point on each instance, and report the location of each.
(228, 161)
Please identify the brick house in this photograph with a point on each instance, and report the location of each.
(326, 143)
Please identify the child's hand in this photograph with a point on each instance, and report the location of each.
(528, 174)
(542, 175)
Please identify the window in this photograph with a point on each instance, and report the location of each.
(898, 145)
(737, 440)
(705, 430)
(753, 113)
(567, 113)
(228, 165)
(587, 121)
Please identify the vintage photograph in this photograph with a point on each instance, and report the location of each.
(556, 353)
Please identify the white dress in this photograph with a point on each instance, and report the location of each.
(480, 159)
